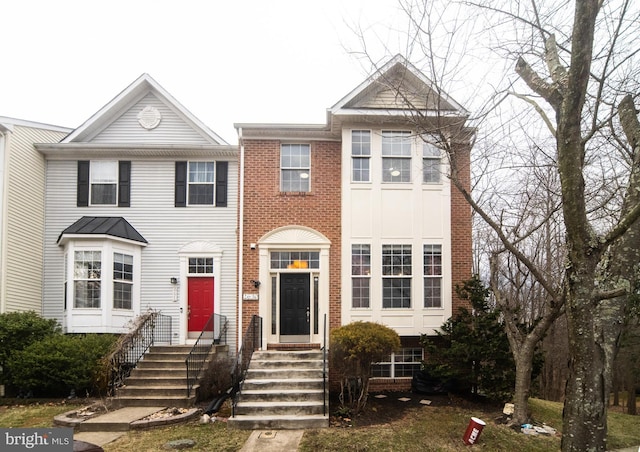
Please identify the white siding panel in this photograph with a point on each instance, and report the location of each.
(165, 227)
(172, 128)
(381, 213)
(396, 213)
(361, 214)
(25, 219)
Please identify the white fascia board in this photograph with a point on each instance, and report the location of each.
(97, 237)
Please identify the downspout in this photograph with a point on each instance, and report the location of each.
(240, 237)
(4, 189)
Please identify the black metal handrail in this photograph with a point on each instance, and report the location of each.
(217, 326)
(148, 329)
(324, 367)
(251, 341)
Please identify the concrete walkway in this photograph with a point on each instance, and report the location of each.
(110, 426)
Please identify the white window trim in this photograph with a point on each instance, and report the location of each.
(105, 319)
(92, 166)
(295, 168)
(213, 184)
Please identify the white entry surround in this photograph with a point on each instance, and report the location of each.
(292, 238)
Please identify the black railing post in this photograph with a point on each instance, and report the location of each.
(128, 351)
(324, 366)
(250, 341)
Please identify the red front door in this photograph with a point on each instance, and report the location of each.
(200, 302)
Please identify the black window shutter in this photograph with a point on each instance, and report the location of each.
(181, 184)
(124, 183)
(222, 168)
(83, 183)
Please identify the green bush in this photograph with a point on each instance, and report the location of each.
(57, 364)
(472, 351)
(18, 330)
(353, 348)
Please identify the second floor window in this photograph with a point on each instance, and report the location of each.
(396, 156)
(430, 163)
(360, 155)
(103, 183)
(295, 167)
(201, 182)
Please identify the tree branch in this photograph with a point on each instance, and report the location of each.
(538, 110)
(550, 93)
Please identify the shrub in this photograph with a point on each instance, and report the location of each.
(354, 347)
(472, 351)
(217, 377)
(18, 330)
(57, 364)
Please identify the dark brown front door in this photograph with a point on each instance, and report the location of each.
(294, 304)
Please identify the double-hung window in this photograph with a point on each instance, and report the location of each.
(361, 156)
(430, 163)
(104, 182)
(396, 156)
(295, 167)
(396, 276)
(122, 281)
(201, 182)
(87, 279)
(360, 275)
(432, 276)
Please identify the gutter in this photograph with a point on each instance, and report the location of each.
(5, 132)
(240, 238)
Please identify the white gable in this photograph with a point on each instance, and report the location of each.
(150, 121)
(144, 113)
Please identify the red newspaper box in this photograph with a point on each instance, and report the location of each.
(473, 431)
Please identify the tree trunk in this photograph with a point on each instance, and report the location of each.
(524, 368)
(594, 330)
(631, 395)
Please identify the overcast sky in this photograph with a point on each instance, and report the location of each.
(226, 61)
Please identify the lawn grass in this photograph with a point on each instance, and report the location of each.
(34, 413)
(208, 437)
(427, 428)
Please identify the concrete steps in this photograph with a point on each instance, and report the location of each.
(282, 390)
(160, 379)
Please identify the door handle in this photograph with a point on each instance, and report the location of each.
(308, 316)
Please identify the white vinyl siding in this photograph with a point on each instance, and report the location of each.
(172, 127)
(21, 289)
(153, 215)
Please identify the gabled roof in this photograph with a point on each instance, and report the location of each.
(101, 226)
(141, 87)
(390, 96)
(398, 86)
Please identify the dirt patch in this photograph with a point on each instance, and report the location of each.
(386, 407)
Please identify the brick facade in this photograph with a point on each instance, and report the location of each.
(461, 244)
(267, 208)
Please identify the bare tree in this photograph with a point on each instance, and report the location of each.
(579, 65)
